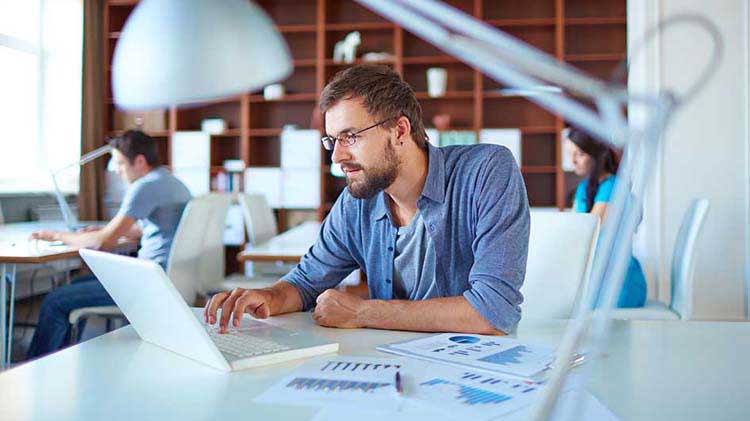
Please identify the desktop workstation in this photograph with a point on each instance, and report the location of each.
(244, 133)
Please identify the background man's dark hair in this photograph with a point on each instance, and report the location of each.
(133, 143)
(383, 93)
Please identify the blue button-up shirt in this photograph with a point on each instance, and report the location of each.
(475, 208)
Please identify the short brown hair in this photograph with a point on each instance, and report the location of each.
(133, 143)
(383, 93)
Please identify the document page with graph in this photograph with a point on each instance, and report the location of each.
(489, 353)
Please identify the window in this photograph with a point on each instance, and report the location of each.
(40, 93)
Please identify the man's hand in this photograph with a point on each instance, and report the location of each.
(256, 302)
(339, 309)
(46, 235)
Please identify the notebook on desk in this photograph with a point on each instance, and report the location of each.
(159, 315)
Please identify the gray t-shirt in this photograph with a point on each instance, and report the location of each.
(156, 201)
(414, 263)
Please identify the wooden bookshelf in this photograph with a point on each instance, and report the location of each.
(589, 34)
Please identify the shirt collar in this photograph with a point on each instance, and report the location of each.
(434, 185)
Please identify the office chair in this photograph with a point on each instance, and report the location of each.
(682, 272)
(196, 258)
(260, 225)
(561, 249)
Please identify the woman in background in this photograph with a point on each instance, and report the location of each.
(598, 162)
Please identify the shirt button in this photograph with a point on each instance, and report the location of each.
(432, 227)
(390, 248)
(387, 281)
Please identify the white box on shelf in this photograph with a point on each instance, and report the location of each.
(213, 125)
(510, 138)
(300, 148)
(301, 188)
(191, 149)
(266, 181)
(196, 179)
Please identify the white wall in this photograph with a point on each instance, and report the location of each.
(705, 153)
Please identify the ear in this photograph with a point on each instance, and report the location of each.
(403, 129)
(140, 161)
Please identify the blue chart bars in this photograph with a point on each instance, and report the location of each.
(340, 366)
(306, 383)
(509, 356)
(470, 395)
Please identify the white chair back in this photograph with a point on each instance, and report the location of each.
(260, 221)
(683, 259)
(197, 255)
(561, 249)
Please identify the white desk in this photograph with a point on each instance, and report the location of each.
(655, 370)
(16, 248)
(288, 246)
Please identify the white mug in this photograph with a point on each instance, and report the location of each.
(437, 81)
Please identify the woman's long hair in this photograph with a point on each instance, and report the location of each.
(605, 159)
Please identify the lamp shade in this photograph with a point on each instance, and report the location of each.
(177, 52)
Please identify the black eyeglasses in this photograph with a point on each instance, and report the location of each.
(348, 139)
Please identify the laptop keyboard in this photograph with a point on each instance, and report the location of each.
(241, 345)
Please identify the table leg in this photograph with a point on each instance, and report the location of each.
(3, 324)
(12, 300)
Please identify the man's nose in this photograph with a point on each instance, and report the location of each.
(340, 153)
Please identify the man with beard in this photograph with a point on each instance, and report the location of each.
(442, 233)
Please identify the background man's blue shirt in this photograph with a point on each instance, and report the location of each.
(475, 208)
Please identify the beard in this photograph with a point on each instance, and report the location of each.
(376, 179)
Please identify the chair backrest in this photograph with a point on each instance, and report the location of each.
(260, 221)
(197, 255)
(683, 258)
(561, 249)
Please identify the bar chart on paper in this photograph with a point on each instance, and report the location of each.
(313, 384)
(479, 352)
(364, 380)
(470, 391)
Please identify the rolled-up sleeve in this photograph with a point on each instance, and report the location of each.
(501, 243)
(328, 261)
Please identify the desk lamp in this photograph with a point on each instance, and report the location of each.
(71, 221)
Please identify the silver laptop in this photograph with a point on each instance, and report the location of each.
(160, 316)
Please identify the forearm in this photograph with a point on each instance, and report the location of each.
(450, 314)
(92, 239)
(284, 298)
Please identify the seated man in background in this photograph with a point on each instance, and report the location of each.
(154, 199)
(442, 233)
